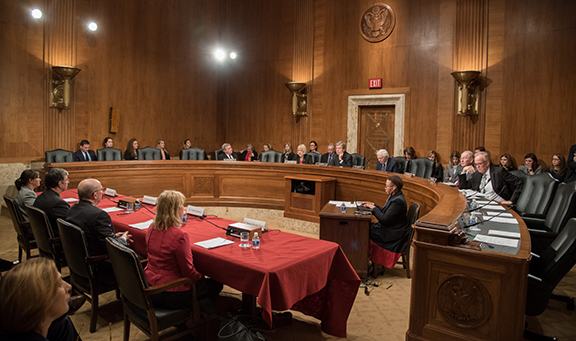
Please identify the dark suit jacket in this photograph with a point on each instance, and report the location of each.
(79, 156)
(129, 156)
(95, 223)
(223, 156)
(391, 166)
(307, 159)
(165, 154)
(393, 224)
(503, 182)
(438, 172)
(54, 207)
(324, 157)
(290, 156)
(346, 160)
(243, 156)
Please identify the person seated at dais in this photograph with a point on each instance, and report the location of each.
(108, 142)
(451, 173)
(313, 147)
(385, 163)
(302, 157)
(25, 184)
(249, 154)
(131, 152)
(288, 155)
(227, 153)
(160, 144)
(84, 153)
(266, 147)
(342, 159)
(327, 158)
(437, 172)
(507, 162)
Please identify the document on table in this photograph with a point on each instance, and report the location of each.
(70, 199)
(496, 240)
(494, 207)
(143, 225)
(503, 220)
(215, 242)
(339, 203)
(112, 209)
(498, 233)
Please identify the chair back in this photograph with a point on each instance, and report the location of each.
(149, 153)
(401, 161)
(563, 207)
(129, 274)
(271, 156)
(109, 154)
(193, 154)
(75, 248)
(537, 194)
(42, 230)
(17, 220)
(58, 155)
(217, 154)
(358, 160)
(312, 158)
(518, 173)
(413, 213)
(421, 167)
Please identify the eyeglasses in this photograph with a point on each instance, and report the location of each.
(480, 163)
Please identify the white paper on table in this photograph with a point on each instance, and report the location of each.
(498, 233)
(504, 220)
(215, 242)
(482, 238)
(494, 207)
(339, 203)
(112, 209)
(503, 215)
(143, 225)
(70, 199)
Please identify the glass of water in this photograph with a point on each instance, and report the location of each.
(244, 239)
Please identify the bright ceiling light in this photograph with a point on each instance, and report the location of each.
(220, 54)
(233, 55)
(36, 13)
(92, 26)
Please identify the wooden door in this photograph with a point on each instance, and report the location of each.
(375, 132)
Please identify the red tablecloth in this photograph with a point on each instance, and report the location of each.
(287, 272)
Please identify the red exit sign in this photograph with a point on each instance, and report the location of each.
(375, 83)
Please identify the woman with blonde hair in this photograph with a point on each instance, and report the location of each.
(287, 154)
(301, 156)
(170, 258)
(160, 144)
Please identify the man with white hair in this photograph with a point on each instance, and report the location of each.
(227, 153)
(343, 158)
(385, 163)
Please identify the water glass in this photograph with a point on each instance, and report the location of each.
(244, 239)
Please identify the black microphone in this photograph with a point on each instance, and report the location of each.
(105, 196)
(489, 201)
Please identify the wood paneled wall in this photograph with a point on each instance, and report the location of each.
(151, 61)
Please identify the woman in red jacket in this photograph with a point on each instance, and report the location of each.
(170, 258)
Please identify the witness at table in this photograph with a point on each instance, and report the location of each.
(160, 144)
(342, 159)
(530, 166)
(437, 171)
(288, 155)
(56, 181)
(84, 153)
(385, 163)
(506, 162)
(301, 155)
(227, 153)
(558, 168)
(249, 154)
(391, 230)
(314, 147)
(451, 174)
(266, 147)
(327, 158)
(131, 152)
(170, 258)
(34, 302)
(108, 142)
(409, 154)
(25, 184)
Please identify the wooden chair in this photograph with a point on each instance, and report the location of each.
(26, 241)
(48, 244)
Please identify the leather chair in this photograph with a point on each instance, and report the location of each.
(563, 207)
(518, 173)
(271, 156)
(412, 216)
(312, 158)
(149, 153)
(358, 160)
(26, 241)
(109, 154)
(217, 154)
(537, 195)
(402, 163)
(48, 244)
(421, 167)
(547, 270)
(84, 269)
(137, 296)
(193, 154)
(58, 155)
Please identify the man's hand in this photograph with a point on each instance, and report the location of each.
(368, 204)
(468, 169)
(127, 236)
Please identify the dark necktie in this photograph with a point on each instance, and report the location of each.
(329, 158)
(384, 167)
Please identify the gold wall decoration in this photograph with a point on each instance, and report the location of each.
(377, 23)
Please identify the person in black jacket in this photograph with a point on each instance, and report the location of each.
(342, 159)
(287, 154)
(56, 181)
(84, 153)
(131, 152)
(437, 171)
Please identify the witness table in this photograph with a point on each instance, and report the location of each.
(288, 272)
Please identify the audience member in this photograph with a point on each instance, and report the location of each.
(170, 257)
(266, 147)
(301, 156)
(108, 143)
(160, 144)
(571, 161)
(530, 166)
(56, 181)
(452, 171)
(327, 158)
(314, 147)
(131, 152)
(187, 144)
(479, 149)
(249, 154)
(497, 184)
(385, 163)
(25, 184)
(227, 153)
(409, 153)
(343, 159)
(438, 171)
(558, 168)
(507, 162)
(466, 165)
(84, 153)
(288, 155)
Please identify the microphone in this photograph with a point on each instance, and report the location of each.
(492, 217)
(105, 196)
(489, 201)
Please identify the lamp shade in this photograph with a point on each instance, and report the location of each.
(66, 72)
(295, 86)
(465, 77)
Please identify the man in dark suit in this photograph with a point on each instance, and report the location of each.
(342, 159)
(227, 153)
(498, 184)
(385, 163)
(327, 158)
(56, 181)
(84, 153)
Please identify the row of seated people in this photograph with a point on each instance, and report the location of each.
(168, 252)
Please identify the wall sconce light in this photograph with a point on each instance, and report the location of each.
(60, 86)
(299, 99)
(468, 91)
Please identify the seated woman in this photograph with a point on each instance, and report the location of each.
(34, 301)
(451, 174)
(160, 144)
(170, 258)
(25, 184)
(108, 142)
(249, 154)
(288, 155)
(438, 171)
(530, 166)
(558, 169)
(409, 154)
(266, 147)
(301, 156)
(187, 145)
(506, 162)
(131, 152)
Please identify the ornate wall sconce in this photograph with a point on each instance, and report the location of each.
(468, 91)
(60, 86)
(299, 99)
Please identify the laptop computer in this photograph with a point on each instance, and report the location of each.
(360, 208)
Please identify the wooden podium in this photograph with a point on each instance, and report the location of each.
(305, 196)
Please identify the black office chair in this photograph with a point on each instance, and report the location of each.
(421, 167)
(48, 244)
(137, 296)
(58, 155)
(217, 154)
(109, 154)
(311, 158)
(26, 241)
(271, 156)
(412, 216)
(537, 195)
(193, 154)
(518, 173)
(547, 270)
(149, 153)
(402, 163)
(358, 160)
(84, 269)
